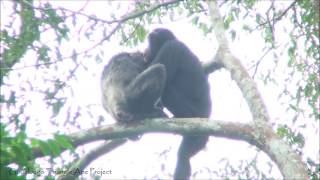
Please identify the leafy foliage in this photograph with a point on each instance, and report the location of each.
(42, 67)
(17, 153)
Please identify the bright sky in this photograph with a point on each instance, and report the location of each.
(141, 158)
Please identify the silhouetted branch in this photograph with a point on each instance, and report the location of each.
(84, 161)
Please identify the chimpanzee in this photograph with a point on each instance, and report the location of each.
(131, 90)
(186, 93)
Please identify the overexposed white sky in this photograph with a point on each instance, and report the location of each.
(138, 159)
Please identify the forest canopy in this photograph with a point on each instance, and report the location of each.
(261, 57)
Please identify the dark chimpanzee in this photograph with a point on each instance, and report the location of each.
(186, 93)
(131, 90)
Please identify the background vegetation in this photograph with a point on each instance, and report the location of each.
(48, 49)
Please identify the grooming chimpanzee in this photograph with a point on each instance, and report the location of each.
(131, 90)
(186, 93)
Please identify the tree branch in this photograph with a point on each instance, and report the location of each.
(82, 163)
(279, 17)
(288, 162)
(192, 126)
(119, 22)
(213, 65)
(238, 72)
(146, 11)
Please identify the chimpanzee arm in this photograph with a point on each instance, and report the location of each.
(172, 55)
(148, 86)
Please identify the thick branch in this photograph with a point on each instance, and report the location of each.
(173, 125)
(288, 162)
(238, 72)
(213, 65)
(192, 126)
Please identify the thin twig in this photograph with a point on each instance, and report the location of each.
(120, 21)
(278, 17)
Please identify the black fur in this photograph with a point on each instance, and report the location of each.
(131, 90)
(186, 93)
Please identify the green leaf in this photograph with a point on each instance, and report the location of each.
(43, 54)
(19, 155)
(308, 90)
(228, 20)
(250, 3)
(26, 151)
(54, 147)
(56, 107)
(291, 53)
(44, 147)
(258, 19)
(195, 20)
(141, 33)
(12, 98)
(21, 137)
(282, 131)
(64, 141)
(35, 142)
(268, 35)
(49, 95)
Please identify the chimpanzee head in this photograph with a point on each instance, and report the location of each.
(156, 39)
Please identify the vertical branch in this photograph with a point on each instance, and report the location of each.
(238, 72)
(288, 162)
